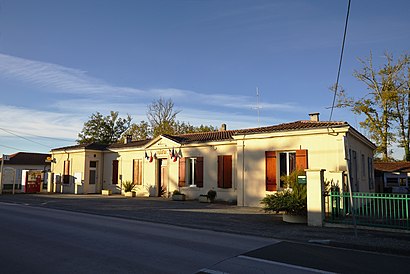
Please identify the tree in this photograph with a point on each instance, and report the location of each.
(139, 131)
(104, 130)
(162, 117)
(184, 128)
(379, 104)
(402, 105)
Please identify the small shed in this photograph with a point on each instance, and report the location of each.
(392, 177)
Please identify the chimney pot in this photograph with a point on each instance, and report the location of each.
(314, 117)
(223, 127)
(128, 139)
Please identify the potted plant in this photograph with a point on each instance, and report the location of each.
(292, 201)
(207, 198)
(128, 187)
(178, 196)
(211, 195)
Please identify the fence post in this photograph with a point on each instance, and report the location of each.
(315, 198)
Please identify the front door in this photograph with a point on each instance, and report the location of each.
(162, 177)
(93, 177)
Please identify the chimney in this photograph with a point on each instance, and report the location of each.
(128, 139)
(314, 117)
(223, 127)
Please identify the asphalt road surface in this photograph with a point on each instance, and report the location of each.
(42, 240)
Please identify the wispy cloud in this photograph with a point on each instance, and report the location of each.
(42, 123)
(56, 77)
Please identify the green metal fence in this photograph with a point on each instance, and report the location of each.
(370, 209)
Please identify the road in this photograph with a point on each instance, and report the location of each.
(43, 240)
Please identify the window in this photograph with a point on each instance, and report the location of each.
(225, 171)
(137, 172)
(353, 170)
(363, 166)
(191, 171)
(370, 172)
(287, 164)
(284, 164)
(93, 172)
(115, 172)
(66, 174)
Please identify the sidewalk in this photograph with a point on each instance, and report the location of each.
(217, 217)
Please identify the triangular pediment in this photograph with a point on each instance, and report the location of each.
(162, 142)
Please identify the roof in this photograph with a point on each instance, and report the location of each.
(139, 143)
(223, 135)
(392, 166)
(27, 158)
(228, 134)
(93, 146)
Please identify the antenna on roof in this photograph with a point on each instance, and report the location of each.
(257, 106)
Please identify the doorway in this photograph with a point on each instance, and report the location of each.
(93, 177)
(162, 177)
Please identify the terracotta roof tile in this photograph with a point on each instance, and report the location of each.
(228, 134)
(392, 166)
(202, 137)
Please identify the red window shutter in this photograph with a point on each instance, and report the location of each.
(302, 159)
(199, 172)
(137, 172)
(227, 171)
(115, 172)
(220, 171)
(181, 181)
(270, 159)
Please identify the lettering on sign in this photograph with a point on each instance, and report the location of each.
(162, 152)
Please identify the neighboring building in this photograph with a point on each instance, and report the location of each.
(392, 177)
(27, 171)
(241, 165)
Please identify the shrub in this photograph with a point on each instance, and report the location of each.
(128, 186)
(176, 192)
(293, 201)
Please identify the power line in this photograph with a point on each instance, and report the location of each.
(38, 136)
(340, 61)
(24, 138)
(11, 147)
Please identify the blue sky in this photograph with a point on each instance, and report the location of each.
(61, 61)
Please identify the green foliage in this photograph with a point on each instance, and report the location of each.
(141, 131)
(176, 192)
(104, 130)
(128, 186)
(292, 201)
(384, 103)
(284, 201)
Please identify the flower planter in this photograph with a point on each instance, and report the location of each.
(130, 194)
(106, 192)
(295, 219)
(178, 197)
